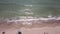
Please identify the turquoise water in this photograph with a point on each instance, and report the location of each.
(38, 8)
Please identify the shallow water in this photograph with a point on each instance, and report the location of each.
(43, 9)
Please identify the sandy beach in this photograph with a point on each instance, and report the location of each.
(35, 28)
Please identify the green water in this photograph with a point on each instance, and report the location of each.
(39, 8)
(15, 10)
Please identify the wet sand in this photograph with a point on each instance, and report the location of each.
(35, 28)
